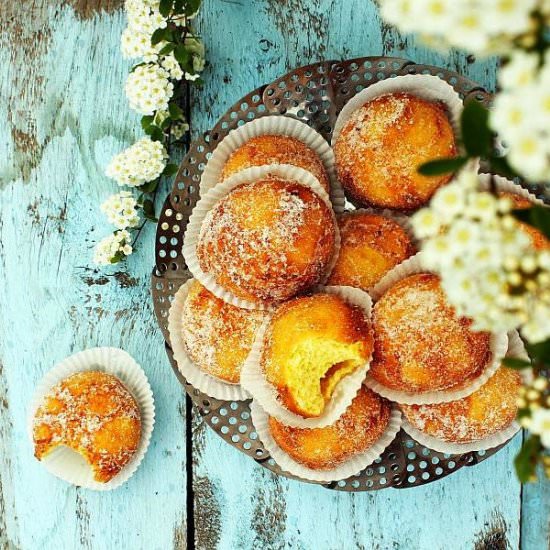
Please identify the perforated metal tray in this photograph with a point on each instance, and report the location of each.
(314, 94)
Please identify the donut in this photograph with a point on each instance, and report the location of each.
(383, 143)
(93, 414)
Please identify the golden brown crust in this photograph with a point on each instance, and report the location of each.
(94, 414)
(420, 343)
(267, 240)
(272, 149)
(382, 145)
(353, 433)
(320, 320)
(539, 240)
(371, 245)
(487, 411)
(217, 335)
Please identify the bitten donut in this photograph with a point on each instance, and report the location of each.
(273, 149)
(93, 414)
(217, 335)
(361, 425)
(311, 344)
(267, 240)
(488, 410)
(371, 245)
(420, 343)
(383, 143)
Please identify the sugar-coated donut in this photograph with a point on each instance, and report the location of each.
(488, 410)
(217, 335)
(273, 149)
(420, 343)
(383, 143)
(361, 425)
(95, 415)
(372, 244)
(312, 343)
(267, 240)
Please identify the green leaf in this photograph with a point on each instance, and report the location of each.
(527, 458)
(136, 66)
(515, 363)
(539, 351)
(536, 216)
(156, 133)
(442, 166)
(192, 6)
(149, 187)
(146, 121)
(183, 57)
(170, 170)
(169, 48)
(175, 111)
(161, 34)
(118, 257)
(476, 134)
(501, 166)
(149, 210)
(165, 7)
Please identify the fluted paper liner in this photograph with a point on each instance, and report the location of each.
(206, 203)
(206, 383)
(350, 467)
(280, 126)
(515, 349)
(255, 382)
(498, 343)
(508, 186)
(67, 464)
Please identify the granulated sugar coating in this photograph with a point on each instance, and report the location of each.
(217, 335)
(488, 410)
(267, 240)
(371, 245)
(420, 344)
(383, 143)
(95, 415)
(270, 149)
(364, 421)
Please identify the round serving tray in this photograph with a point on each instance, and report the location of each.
(314, 94)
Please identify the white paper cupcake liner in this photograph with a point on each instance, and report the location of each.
(498, 344)
(516, 348)
(254, 381)
(507, 186)
(206, 203)
(273, 125)
(206, 383)
(67, 464)
(353, 466)
(428, 87)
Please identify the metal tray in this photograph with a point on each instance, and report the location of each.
(314, 94)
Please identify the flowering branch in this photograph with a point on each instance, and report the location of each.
(160, 33)
(493, 254)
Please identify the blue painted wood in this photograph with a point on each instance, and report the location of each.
(66, 115)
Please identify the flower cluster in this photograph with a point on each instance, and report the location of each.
(121, 211)
(489, 267)
(141, 162)
(480, 26)
(521, 114)
(159, 33)
(113, 248)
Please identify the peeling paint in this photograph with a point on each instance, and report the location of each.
(493, 536)
(207, 514)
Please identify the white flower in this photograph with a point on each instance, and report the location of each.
(426, 223)
(137, 44)
(529, 155)
(540, 425)
(144, 16)
(144, 161)
(121, 211)
(519, 71)
(113, 248)
(449, 200)
(178, 129)
(148, 89)
(170, 63)
(191, 77)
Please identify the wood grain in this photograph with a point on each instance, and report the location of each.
(66, 115)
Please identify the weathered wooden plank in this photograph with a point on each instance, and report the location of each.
(251, 43)
(62, 94)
